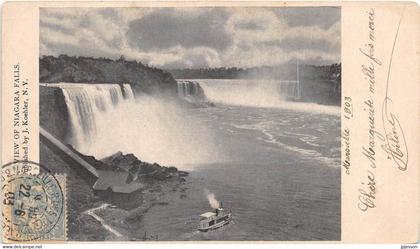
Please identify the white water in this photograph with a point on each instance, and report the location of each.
(282, 167)
(260, 93)
(190, 91)
(128, 92)
(85, 102)
(106, 118)
(103, 122)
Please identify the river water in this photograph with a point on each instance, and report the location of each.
(279, 173)
(273, 162)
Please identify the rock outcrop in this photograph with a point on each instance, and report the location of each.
(155, 180)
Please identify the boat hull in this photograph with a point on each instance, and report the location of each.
(214, 227)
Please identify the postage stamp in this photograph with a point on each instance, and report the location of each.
(33, 205)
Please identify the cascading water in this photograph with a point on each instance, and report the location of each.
(128, 92)
(86, 102)
(191, 91)
(289, 89)
(261, 93)
(107, 118)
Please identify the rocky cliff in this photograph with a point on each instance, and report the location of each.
(53, 115)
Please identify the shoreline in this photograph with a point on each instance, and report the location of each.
(126, 224)
(86, 207)
(92, 213)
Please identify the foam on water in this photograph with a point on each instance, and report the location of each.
(106, 118)
(260, 93)
(281, 179)
(266, 128)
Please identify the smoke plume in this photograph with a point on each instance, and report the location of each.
(212, 200)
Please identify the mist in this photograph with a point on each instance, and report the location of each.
(153, 129)
(260, 93)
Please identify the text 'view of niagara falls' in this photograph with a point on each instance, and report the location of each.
(194, 123)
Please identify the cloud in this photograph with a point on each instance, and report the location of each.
(180, 57)
(249, 25)
(323, 17)
(275, 42)
(169, 28)
(306, 39)
(194, 37)
(78, 32)
(269, 27)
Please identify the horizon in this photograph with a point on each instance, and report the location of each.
(172, 69)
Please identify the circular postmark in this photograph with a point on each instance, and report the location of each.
(32, 205)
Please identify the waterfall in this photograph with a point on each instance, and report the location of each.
(128, 92)
(260, 93)
(107, 118)
(238, 90)
(285, 94)
(85, 102)
(191, 91)
(289, 89)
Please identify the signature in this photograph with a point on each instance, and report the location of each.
(395, 144)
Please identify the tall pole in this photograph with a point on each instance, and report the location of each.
(297, 78)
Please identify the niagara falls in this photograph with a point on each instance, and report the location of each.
(232, 134)
(252, 131)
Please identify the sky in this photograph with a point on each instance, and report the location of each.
(195, 37)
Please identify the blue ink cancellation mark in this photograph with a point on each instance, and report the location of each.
(33, 205)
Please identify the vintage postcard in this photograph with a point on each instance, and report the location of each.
(210, 121)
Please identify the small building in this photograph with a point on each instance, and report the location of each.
(108, 181)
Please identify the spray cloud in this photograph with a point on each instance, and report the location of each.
(104, 122)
